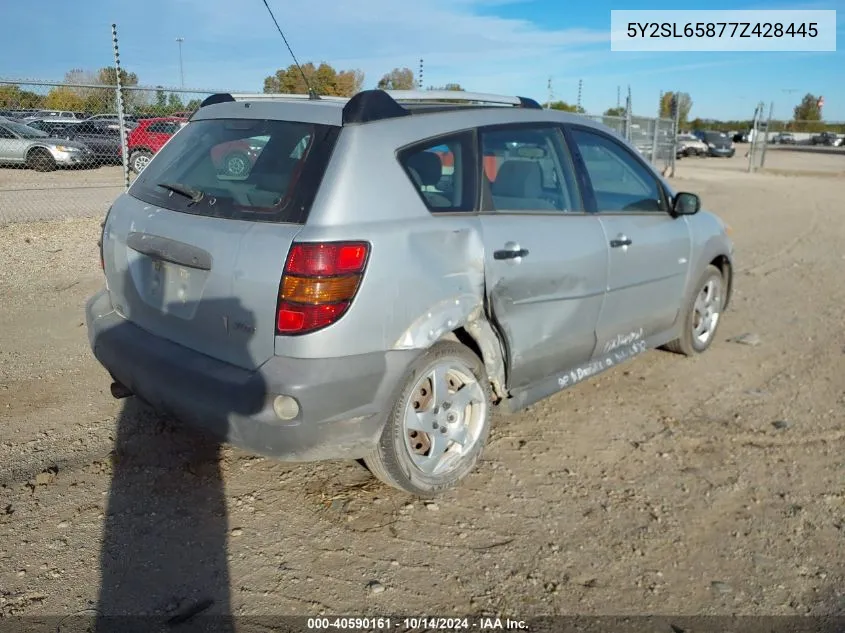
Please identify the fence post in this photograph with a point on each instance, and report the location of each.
(766, 135)
(654, 142)
(124, 149)
(676, 123)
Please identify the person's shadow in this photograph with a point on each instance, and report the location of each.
(163, 562)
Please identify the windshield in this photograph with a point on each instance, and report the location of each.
(24, 130)
(715, 136)
(247, 169)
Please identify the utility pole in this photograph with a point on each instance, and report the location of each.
(549, 95)
(179, 41)
(420, 80)
(580, 84)
(618, 97)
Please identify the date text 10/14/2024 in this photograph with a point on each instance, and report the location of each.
(416, 623)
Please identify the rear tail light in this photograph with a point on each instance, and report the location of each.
(318, 284)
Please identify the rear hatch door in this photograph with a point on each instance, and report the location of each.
(194, 254)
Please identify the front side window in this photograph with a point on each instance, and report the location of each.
(260, 170)
(443, 172)
(620, 182)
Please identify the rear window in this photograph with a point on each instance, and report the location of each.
(245, 169)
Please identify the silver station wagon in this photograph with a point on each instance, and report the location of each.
(387, 270)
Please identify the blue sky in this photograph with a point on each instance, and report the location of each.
(503, 46)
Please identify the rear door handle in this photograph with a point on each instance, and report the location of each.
(514, 253)
(620, 242)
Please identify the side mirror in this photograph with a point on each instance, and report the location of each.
(686, 204)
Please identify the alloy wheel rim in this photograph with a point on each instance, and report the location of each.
(444, 417)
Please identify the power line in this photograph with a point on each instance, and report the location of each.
(311, 93)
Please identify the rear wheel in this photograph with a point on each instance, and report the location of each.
(40, 159)
(439, 423)
(139, 159)
(702, 314)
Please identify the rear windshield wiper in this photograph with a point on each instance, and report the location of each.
(184, 190)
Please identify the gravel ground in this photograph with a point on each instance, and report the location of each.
(668, 485)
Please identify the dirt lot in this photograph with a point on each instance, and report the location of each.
(667, 485)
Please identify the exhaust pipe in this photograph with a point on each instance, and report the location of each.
(120, 391)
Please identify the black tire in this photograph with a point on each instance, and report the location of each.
(688, 344)
(236, 164)
(40, 159)
(391, 460)
(139, 159)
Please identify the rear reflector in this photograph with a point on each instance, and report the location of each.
(319, 282)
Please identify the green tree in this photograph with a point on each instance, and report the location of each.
(566, 107)
(62, 98)
(450, 86)
(684, 106)
(808, 109)
(323, 79)
(398, 79)
(13, 98)
(174, 102)
(620, 111)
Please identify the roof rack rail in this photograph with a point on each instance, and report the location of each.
(281, 96)
(479, 98)
(375, 105)
(223, 97)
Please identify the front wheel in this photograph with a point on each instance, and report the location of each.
(139, 159)
(40, 159)
(702, 314)
(439, 423)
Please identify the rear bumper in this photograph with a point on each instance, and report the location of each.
(718, 151)
(342, 401)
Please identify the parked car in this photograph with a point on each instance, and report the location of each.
(148, 137)
(102, 139)
(55, 115)
(784, 138)
(51, 128)
(718, 143)
(112, 117)
(826, 138)
(236, 158)
(691, 145)
(16, 115)
(23, 145)
(351, 298)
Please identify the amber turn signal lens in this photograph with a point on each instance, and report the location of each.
(315, 291)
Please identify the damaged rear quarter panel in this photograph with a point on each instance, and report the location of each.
(424, 278)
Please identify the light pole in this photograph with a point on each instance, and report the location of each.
(179, 40)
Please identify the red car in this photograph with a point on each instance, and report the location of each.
(236, 158)
(149, 137)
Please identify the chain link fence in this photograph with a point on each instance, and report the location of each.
(61, 148)
(62, 154)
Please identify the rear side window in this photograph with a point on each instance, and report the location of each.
(246, 169)
(443, 171)
(528, 169)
